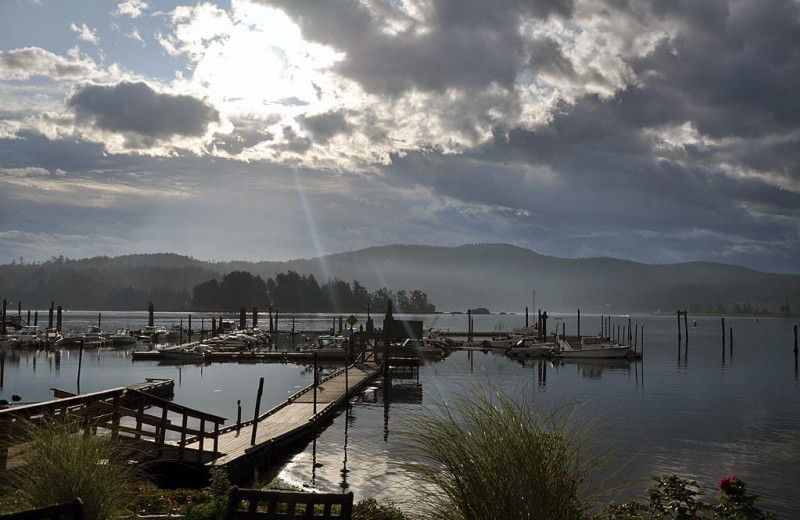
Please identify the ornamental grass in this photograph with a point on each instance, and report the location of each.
(487, 455)
(59, 464)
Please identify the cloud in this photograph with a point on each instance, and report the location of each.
(85, 34)
(131, 8)
(135, 108)
(22, 64)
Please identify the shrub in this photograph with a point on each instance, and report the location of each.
(60, 465)
(485, 457)
(677, 498)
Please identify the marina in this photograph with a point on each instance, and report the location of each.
(703, 410)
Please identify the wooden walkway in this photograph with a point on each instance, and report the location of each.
(239, 451)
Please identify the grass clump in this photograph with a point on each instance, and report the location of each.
(489, 456)
(59, 465)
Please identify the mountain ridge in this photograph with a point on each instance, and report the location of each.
(500, 277)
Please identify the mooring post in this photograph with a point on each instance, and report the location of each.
(292, 334)
(238, 414)
(636, 339)
(3, 325)
(315, 383)
(150, 320)
(795, 341)
(679, 333)
(469, 325)
(80, 362)
(579, 324)
(255, 415)
(50, 316)
(602, 326)
(730, 337)
(213, 327)
(255, 317)
(686, 326)
(723, 336)
(526, 316)
(189, 330)
(641, 348)
(35, 318)
(58, 318)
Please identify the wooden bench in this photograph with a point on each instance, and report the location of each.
(255, 504)
(67, 511)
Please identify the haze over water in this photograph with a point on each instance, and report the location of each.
(700, 415)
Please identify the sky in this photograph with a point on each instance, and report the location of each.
(659, 131)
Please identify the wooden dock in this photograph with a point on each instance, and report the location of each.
(243, 448)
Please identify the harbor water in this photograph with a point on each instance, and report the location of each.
(703, 413)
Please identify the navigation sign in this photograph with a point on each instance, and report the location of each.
(352, 320)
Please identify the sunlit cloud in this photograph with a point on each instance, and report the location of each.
(84, 33)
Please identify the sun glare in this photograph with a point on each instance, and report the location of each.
(261, 62)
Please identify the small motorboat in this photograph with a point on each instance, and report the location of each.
(530, 347)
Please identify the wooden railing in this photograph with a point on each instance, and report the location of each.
(145, 418)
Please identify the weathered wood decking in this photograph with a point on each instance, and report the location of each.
(239, 452)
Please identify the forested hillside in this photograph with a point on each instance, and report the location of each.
(496, 276)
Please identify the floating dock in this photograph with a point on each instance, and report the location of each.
(243, 448)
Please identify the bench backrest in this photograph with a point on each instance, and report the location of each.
(255, 504)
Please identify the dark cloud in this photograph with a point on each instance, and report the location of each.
(141, 113)
(461, 44)
(29, 61)
(325, 126)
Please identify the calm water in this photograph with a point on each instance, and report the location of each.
(700, 415)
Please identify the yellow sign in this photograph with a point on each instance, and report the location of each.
(352, 320)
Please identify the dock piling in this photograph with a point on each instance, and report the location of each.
(255, 415)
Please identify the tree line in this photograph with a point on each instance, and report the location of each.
(293, 292)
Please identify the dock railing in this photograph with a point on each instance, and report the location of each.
(146, 418)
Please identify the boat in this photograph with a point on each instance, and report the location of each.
(153, 333)
(91, 338)
(530, 347)
(51, 337)
(122, 338)
(327, 346)
(592, 347)
(28, 336)
(199, 352)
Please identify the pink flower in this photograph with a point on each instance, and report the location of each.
(730, 485)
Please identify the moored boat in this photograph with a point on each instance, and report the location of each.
(531, 347)
(592, 347)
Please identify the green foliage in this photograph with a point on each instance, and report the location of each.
(488, 457)
(676, 498)
(371, 509)
(60, 465)
(215, 507)
(292, 292)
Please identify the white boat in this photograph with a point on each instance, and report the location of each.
(233, 342)
(331, 347)
(122, 338)
(92, 338)
(29, 336)
(530, 347)
(592, 347)
(154, 333)
(199, 352)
